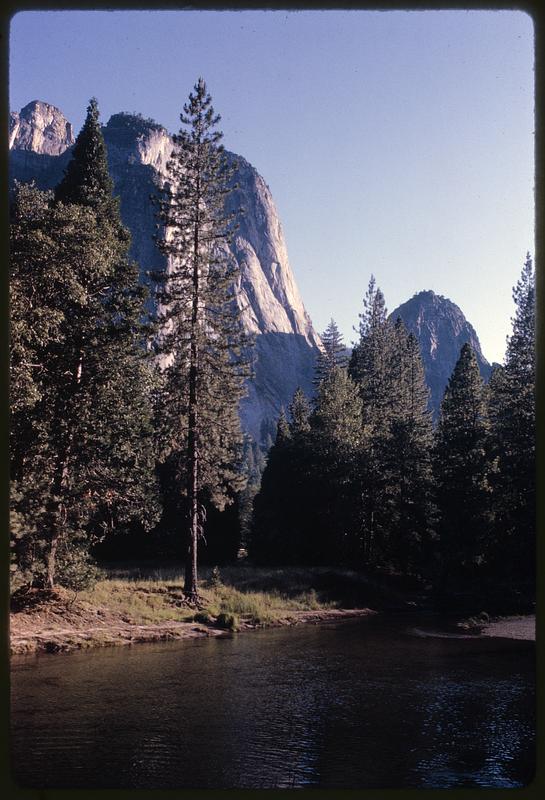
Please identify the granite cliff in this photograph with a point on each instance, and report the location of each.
(441, 329)
(138, 151)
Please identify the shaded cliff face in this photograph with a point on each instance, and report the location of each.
(442, 330)
(138, 151)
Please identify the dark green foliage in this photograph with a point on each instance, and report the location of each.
(279, 522)
(462, 475)
(513, 434)
(254, 462)
(336, 442)
(299, 410)
(202, 342)
(372, 362)
(82, 455)
(373, 367)
(87, 181)
(227, 621)
(408, 461)
(306, 509)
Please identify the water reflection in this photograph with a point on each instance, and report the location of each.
(356, 704)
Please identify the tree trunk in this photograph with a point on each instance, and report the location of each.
(57, 510)
(190, 584)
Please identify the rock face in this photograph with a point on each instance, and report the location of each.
(40, 128)
(442, 330)
(138, 151)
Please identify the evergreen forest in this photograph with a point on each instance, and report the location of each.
(125, 439)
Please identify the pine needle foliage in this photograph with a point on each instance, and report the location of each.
(462, 474)
(82, 444)
(203, 347)
(333, 355)
(513, 433)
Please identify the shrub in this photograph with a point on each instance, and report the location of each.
(75, 569)
(227, 621)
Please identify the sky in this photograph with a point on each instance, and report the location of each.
(395, 143)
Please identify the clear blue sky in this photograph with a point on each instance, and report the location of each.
(395, 143)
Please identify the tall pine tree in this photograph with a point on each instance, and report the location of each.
(371, 368)
(90, 466)
(202, 339)
(462, 475)
(512, 414)
(408, 462)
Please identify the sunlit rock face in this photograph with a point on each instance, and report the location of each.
(40, 128)
(138, 151)
(441, 329)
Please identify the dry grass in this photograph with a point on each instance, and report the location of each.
(160, 598)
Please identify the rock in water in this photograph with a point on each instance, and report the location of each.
(138, 151)
(441, 329)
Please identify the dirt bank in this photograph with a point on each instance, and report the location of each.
(54, 624)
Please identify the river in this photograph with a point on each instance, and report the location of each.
(354, 704)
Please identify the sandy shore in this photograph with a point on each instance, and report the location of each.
(512, 628)
(49, 630)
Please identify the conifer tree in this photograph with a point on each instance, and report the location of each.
(202, 338)
(90, 466)
(299, 410)
(271, 524)
(409, 465)
(512, 415)
(371, 368)
(333, 354)
(371, 361)
(337, 432)
(462, 474)
(87, 181)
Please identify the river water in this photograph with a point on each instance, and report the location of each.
(356, 704)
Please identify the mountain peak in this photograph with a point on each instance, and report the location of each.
(441, 329)
(41, 128)
(272, 308)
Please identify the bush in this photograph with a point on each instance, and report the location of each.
(227, 621)
(75, 569)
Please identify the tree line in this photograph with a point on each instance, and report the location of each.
(125, 419)
(359, 476)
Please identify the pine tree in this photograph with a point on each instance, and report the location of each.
(202, 337)
(87, 181)
(90, 464)
(333, 355)
(336, 442)
(270, 529)
(409, 466)
(462, 474)
(512, 414)
(371, 361)
(299, 410)
(281, 524)
(371, 367)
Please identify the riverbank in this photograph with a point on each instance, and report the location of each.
(145, 603)
(125, 610)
